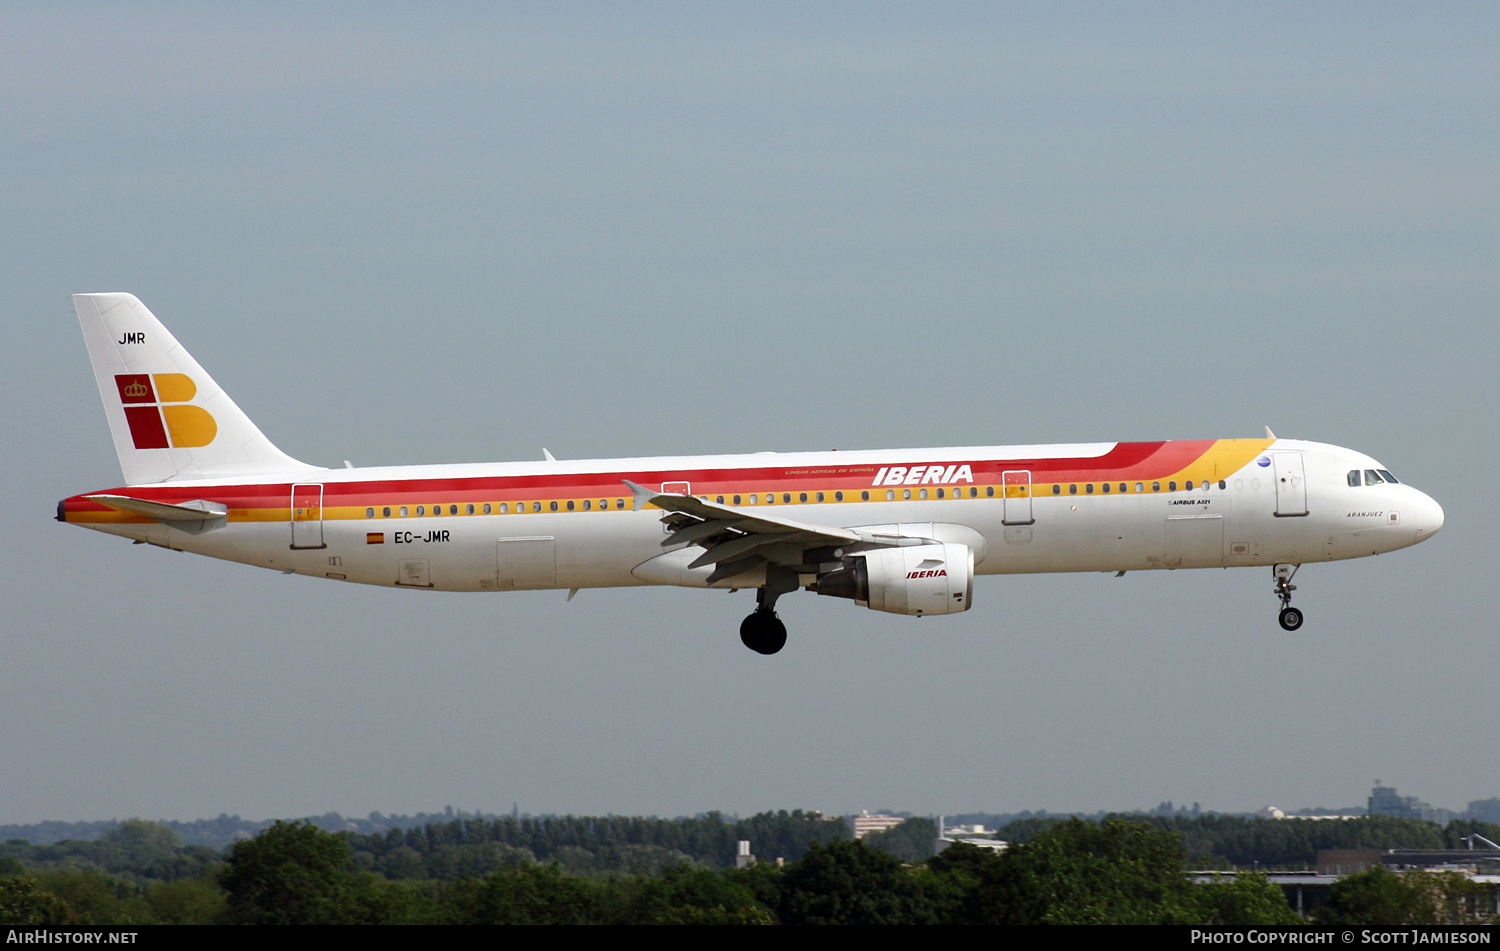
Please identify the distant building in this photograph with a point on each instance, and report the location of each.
(864, 823)
(1384, 801)
(1485, 810)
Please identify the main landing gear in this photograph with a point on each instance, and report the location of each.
(1290, 617)
(763, 631)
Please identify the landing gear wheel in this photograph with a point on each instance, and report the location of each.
(1290, 617)
(763, 632)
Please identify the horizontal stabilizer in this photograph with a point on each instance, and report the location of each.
(197, 510)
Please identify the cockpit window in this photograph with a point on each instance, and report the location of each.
(1372, 477)
(1390, 478)
(1354, 478)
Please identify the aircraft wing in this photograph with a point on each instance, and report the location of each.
(734, 540)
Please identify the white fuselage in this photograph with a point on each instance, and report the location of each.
(1070, 514)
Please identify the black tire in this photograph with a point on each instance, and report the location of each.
(763, 632)
(1291, 619)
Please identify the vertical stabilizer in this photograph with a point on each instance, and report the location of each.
(168, 418)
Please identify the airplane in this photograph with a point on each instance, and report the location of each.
(903, 531)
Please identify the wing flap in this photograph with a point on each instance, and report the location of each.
(735, 540)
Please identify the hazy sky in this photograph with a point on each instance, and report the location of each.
(431, 233)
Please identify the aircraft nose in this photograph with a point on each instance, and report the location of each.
(1428, 517)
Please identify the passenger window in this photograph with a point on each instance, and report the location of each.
(719, 499)
(619, 503)
(1073, 489)
(369, 513)
(570, 505)
(906, 493)
(786, 498)
(588, 504)
(1171, 486)
(921, 493)
(386, 512)
(754, 499)
(1106, 488)
(838, 496)
(1371, 477)
(890, 495)
(1057, 490)
(1187, 486)
(770, 498)
(1122, 487)
(802, 497)
(1089, 489)
(1156, 487)
(973, 492)
(1223, 484)
(403, 511)
(486, 508)
(536, 506)
(421, 509)
(820, 496)
(1140, 487)
(736, 500)
(989, 491)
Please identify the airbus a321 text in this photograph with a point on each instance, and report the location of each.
(898, 530)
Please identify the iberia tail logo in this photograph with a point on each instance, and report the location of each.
(157, 420)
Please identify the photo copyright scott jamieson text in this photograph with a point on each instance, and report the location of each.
(1362, 936)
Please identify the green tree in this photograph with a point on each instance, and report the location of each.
(912, 841)
(292, 873)
(1080, 873)
(1377, 897)
(25, 903)
(1383, 898)
(849, 883)
(1249, 900)
(529, 895)
(96, 898)
(188, 902)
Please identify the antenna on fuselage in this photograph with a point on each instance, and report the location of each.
(1269, 434)
(547, 455)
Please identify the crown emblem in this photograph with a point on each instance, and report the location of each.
(135, 389)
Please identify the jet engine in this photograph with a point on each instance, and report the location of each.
(915, 579)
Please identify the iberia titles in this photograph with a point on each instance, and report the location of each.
(923, 475)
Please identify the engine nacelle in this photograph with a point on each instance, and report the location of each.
(917, 579)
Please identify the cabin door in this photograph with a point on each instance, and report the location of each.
(1291, 483)
(307, 516)
(1017, 500)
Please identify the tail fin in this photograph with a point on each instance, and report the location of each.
(168, 417)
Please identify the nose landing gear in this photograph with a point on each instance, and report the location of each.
(1290, 617)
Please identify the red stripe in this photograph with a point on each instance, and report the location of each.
(1124, 462)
